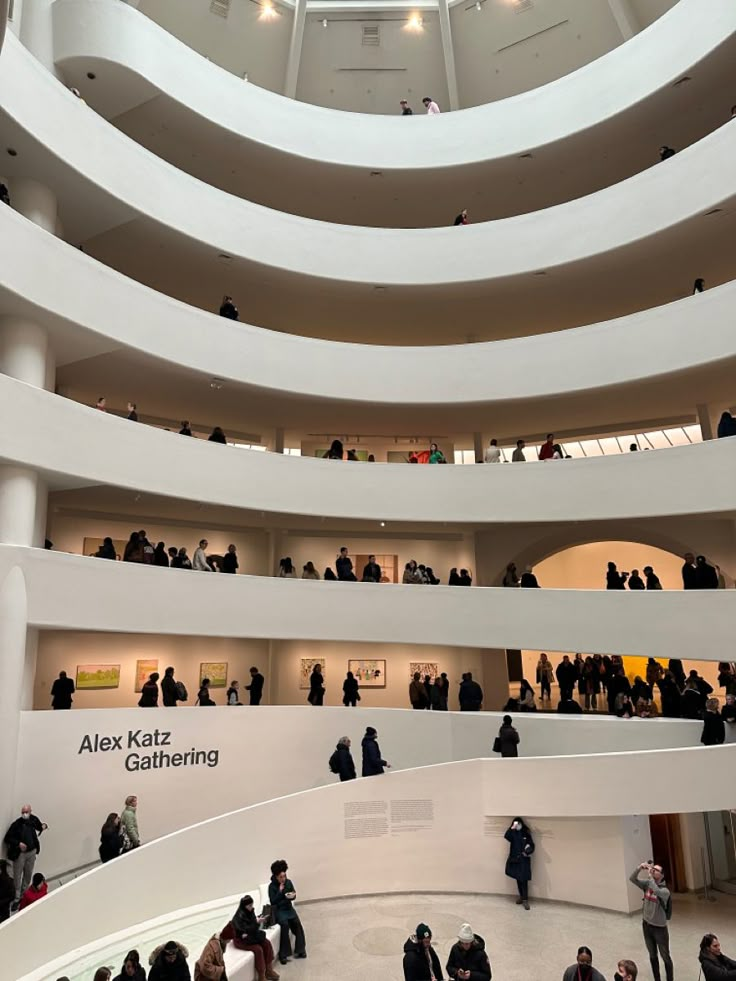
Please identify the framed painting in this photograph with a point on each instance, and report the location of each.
(306, 666)
(91, 677)
(142, 671)
(424, 667)
(216, 671)
(369, 674)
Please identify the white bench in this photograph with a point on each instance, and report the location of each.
(240, 965)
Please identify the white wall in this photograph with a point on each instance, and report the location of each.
(651, 346)
(300, 741)
(59, 436)
(572, 104)
(648, 204)
(75, 593)
(328, 859)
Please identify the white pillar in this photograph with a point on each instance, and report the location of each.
(626, 19)
(449, 53)
(478, 447)
(13, 623)
(25, 353)
(295, 49)
(20, 508)
(35, 201)
(707, 421)
(37, 32)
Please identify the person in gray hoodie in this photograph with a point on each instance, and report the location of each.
(656, 905)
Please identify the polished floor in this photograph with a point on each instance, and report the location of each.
(362, 939)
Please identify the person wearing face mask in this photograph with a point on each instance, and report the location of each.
(583, 969)
(627, 971)
(23, 845)
(518, 864)
(421, 962)
(713, 962)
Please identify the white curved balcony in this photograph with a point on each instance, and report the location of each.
(69, 592)
(649, 365)
(330, 858)
(330, 270)
(575, 127)
(81, 446)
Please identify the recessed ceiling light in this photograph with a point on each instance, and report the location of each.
(91, 76)
(540, 272)
(526, 156)
(376, 173)
(379, 289)
(682, 81)
(224, 257)
(12, 152)
(383, 524)
(217, 384)
(713, 211)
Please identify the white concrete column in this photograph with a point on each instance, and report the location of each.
(478, 447)
(626, 20)
(25, 353)
(707, 420)
(448, 52)
(19, 507)
(295, 49)
(35, 201)
(495, 680)
(13, 624)
(37, 31)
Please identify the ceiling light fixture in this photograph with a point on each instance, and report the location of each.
(91, 76)
(324, 22)
(268, 11)
(12, 152)
(415, 23)
(217, 384)
(478, 5)
(245, 76)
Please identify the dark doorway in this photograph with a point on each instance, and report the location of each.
(667, 848)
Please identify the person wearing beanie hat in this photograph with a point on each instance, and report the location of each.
(247, 933)
(372, 762)
(421, 962)
(468, 960)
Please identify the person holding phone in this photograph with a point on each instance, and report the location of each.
(281, 894)
(246, 929)
(656, 911)
(518, 864)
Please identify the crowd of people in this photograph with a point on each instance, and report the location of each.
(600, 683)
(344, 571)
(139, 549)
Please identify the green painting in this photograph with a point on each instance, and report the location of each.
(96, 676)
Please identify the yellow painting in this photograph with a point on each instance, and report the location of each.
(216, 671)
(142, 671)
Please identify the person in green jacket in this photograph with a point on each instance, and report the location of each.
(435, 454)
(129, 821)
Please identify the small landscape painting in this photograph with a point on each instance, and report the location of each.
(97, 676)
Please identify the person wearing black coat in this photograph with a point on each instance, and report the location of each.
(228, 308)
(713, 962)
(566, 675)
(728, 712)
(674, 666)
(518, 864)
(248, 934)
(281, 895)
(168, 689)
(132, 969)
(468, 956)
(7, 890)
(714, 728)
(421, 962)
(316, 694)
(169, 963)
(693, 701)
(342, 759)
(669, 695)
(350, 686)
(372, 762)
(149, 692)
(111, 838)
(726, 426)
(61, 692)
(689, 572)
(256, 686)
(437, 697)
(706, 576)
(106, 550)
(508, 739)
(614, 578)
(470, 694)
(570, 707)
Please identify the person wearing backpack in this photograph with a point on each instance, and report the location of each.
(172, 691)
(341, 760)
(656, 912)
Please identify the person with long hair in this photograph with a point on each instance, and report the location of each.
(350, 694)
(713, 962)
(518, 864)
(247, 933)
(582, 969)
(111, 838)
(286, 568)
(132, 969)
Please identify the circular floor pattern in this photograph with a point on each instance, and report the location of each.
(380, 941)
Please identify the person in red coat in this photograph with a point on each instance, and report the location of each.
(547, 449)
(37, 890)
